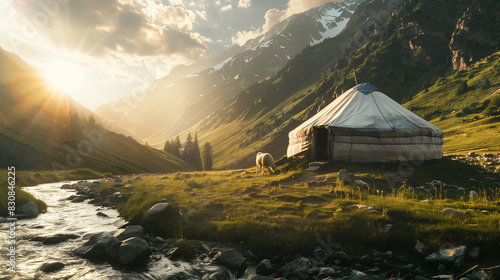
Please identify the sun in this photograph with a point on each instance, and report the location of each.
(64, 75)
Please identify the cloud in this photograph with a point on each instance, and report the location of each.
(242, 37)
(299, 6)
(202, 14)
(176, 16)
(274, 16)
(244, 3)
(103, 27)
(226, 8)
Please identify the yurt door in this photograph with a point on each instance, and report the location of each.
(321, 144)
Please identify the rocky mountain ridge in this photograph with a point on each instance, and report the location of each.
(188, 95)
(402, 50)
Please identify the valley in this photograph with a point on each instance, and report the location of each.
(163, 178)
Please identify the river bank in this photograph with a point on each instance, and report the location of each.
(327, 259)
(307, 225)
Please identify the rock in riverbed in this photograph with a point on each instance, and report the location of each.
(97, 248)
(51, 266)
(233, 260)
(161, 219)
(131, 231)
(29, 208)
(133, 250)
(102, 246)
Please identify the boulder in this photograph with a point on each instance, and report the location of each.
(206, 183)
(97, 248)
(133, 250)
(160, 185)
(328, 271)
(51, 266)
(56, 238)
(297, 268)
(29, 208)
(358, 274)
(448, 255)
(264, 268)
(361, 183)
(97, 200)
(185, 249)
(233, 260)
(366, 260)
(162, 219)
(193, 184)
(131, 231)
(421, 248)
(100, 214)
(78, 199)
(342, 257)
(344, 176)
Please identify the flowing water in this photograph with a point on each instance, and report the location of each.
(63, 216)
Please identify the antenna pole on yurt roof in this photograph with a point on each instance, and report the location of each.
(355, 77)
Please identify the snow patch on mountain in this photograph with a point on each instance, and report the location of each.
(329, 22)
(220, 65)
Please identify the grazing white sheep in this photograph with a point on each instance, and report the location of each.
(265, 160)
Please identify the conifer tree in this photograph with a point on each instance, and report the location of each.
(207, 157)
(187, 155)
(168, 147)
(177, 147)
(196, 155)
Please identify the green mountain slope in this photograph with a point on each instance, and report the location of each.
(401, 48)
(44, 129)
(466, 106)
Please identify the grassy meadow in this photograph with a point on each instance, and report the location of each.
(289, 211)
(466, 106)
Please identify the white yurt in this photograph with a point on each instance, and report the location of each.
(365, 125)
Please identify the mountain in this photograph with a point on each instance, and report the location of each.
(44, 129)
(190, 93)
(402, 47)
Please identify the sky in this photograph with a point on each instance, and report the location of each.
(100, 50)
